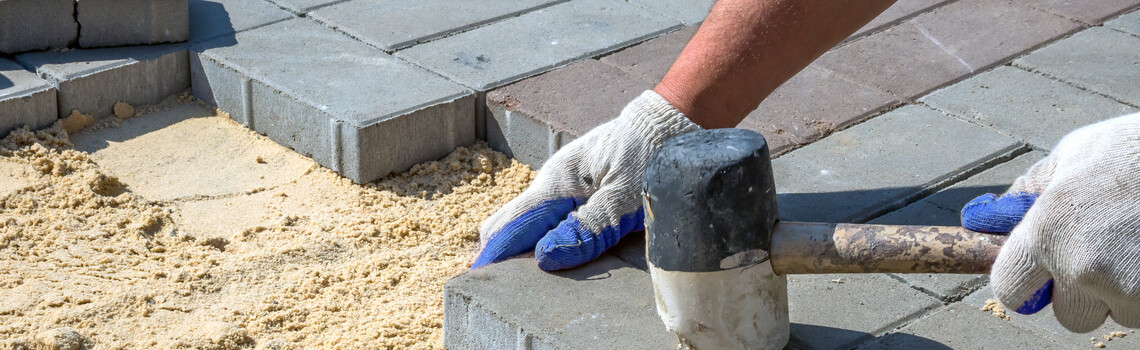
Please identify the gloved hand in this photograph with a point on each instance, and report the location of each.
(587, 195)
(1079, 244)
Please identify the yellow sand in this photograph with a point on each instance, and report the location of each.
(314, 262)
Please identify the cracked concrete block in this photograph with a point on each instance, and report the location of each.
(53, 21)
(25, 99)
(104, 23)
(92, 80)
(1097, 59)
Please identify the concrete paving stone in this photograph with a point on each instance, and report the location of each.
(92, 80)
(518, 47)
(1098, 59)
(25, 99)
(996, 179)
(359, 111)
(303, 6)
(1129, 23)
(651, 59)
(857, 173)
(961, 326)
(688, 12)
(53, 20)
(1044, 324)
(1088, 11)
(531, 119)
(210, 19)
(838, 311)
(1024, 105)
(920, 213)
(392, 25)
(900, 11)
(514, 305)
(105, 23)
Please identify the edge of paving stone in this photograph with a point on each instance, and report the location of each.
(36, 61)
(1019, 62)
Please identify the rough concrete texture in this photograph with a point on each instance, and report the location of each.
(961, 326)
(651, 59)
(518, 47)
(105, 23)
(1129, 23)
(1044, 324)
(840, 311)
(899, 11)
(312, 101)
(688, 12)
(533, 118)
(514, 305)
(210, 19)
(1024, 105)
(855, 174)
(92, 80)
(25, 99)
(1088, 11)
(53, 20)
(393, 25)
(303, 6)
(1098, 59)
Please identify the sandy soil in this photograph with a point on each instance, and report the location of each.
(181, 229)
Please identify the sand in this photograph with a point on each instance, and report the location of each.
(119, 246)
(995, 308)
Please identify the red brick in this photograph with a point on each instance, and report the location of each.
(985, 32)
(900, 11)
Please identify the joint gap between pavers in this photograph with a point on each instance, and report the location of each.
(488, 22)
(1074, 84)
(897, 324)
(893, 23)
(662, 14)
(1122, 32)
(74, 43)
(861, 119)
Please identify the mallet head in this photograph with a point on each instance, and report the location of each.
(712, 278)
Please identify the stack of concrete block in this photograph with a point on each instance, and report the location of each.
(32, 25)
(53, 22)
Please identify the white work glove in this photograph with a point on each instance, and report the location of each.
(1079, 242)
(587, 195)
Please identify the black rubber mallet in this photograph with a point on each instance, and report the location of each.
(718, 253)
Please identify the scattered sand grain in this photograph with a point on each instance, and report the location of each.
(995, 307)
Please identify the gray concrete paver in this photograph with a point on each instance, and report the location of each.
(1044, 324)
(1098, 59)
(210, 19)
(838, 311)
(25, 99)
(53, 20)
(1087, 11)
(106, 23)
(961, 326)
(1129, 23)
(303, 6)
(651, 59)
(519, 47)
(688, 12)
(393, 25)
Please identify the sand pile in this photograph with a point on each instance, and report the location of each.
(312, 262)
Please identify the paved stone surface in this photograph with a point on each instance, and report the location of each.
(1025, 105)
(514, 305)
(515, 48)
(303, 6)
(393, 25)
(688, 12)
(288, 87)
(1098, 59)
(857, 173)
(1044, 324)
(25, 99)
(651, 59)
(1088, 11)
(901, 10)
(210, 19)
(105, 23)
(92, 80)
(53, 20)
(840, 311)
(1129, 23)
(961, 326)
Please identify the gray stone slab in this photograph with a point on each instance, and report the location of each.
(688, 12)
(53, 21)
(210, 19)
(25, 99)
(1128, 23)
(651, 59)
(841, 310)
(899, 11)
(1098, 59)
(993, 180)
(1024, 105)
(961, 326)
(857, 173)
(1044, 324)
(392, 24)
(514, 305)
(515, 48)
(1088, 11)
(92, 80)
(359, 111)
(303, 6)
(105, 23)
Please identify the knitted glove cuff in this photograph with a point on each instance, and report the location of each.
(654, 118)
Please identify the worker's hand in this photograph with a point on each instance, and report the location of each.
(1079, 244)
(587, 195)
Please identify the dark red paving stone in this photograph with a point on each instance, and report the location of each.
(651, 59)
(901, 10)
(1087, 11)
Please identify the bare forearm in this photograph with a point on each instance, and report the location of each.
(747, 48)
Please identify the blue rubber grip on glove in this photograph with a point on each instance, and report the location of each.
(521, 234)
(992, 214)
(570, 245)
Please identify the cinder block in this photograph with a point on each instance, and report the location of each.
(1098, 59)
(25, 99)
(1088, 11)
(856, 174)
(359, 111)
(53, 22)
(210, 19)
(393, 25)
(104, 23)
(303, 6)
(91, 81)
(962, 326)
(1024, 105)
(1129, 23)
(514, 305)
(839, 311)
(519, 47)
(688, 12)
